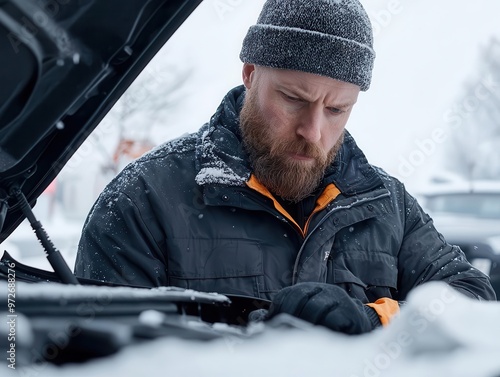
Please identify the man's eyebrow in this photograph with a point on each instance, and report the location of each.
(302, 94)
(343, 106)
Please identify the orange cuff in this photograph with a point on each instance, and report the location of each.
(386, 308)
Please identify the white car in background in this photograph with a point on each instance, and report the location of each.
(468, 215)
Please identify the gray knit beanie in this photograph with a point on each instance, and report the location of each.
(331, 38)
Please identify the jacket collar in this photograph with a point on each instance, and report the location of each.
(221, 160)
(351, 172)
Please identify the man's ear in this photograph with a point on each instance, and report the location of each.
(247, 73)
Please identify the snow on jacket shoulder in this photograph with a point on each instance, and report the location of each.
(189, 214)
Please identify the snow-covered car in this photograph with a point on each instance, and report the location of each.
(64, 65)
(468, 215)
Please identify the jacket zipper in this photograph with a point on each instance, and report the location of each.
(334, 210)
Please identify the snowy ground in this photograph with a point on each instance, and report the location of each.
(439, 333)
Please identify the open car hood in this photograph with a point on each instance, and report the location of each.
(64, 65)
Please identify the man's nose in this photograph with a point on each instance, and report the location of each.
(309, 126)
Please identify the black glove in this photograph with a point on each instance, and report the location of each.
(327, 305)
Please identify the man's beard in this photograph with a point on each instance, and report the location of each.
(289, 179)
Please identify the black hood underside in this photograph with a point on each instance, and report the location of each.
(64, 65)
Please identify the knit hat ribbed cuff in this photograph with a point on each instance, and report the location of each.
(309, 51)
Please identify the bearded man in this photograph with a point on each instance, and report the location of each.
(272, 198)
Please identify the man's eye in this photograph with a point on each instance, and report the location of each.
(290, 98)
(334, 110)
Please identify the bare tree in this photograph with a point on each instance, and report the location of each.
(474, 152)
(147, 103)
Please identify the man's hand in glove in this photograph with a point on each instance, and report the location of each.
(327, 305)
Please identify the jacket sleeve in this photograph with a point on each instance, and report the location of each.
(117, 246)
(426, 256)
